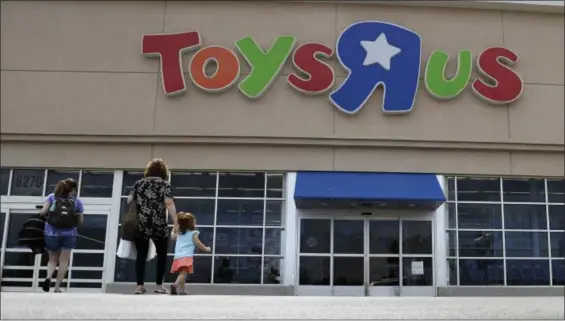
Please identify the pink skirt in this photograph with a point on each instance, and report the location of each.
(183, 262)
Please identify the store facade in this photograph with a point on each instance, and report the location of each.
(304, 177)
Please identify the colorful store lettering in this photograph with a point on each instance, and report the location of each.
(373, 53)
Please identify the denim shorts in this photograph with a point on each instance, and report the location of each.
(57, 243)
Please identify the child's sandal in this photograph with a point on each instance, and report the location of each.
(173, 289)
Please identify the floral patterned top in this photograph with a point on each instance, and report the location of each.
(150, 194)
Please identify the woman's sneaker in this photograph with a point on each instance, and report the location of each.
(46, 285)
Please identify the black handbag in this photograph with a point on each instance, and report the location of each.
(130, 224)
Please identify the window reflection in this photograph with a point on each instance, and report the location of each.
(349, 237)
(2, 220)
(478, 189)
(274, 215)
(525, 217)
(527, 272)
(348, 271)
(384, 237)
(97, 184)
(480, 244)
(275, 183)
(557, 244)
(19, 258)
(238, 240)
(4, 181)
(237, 269)
(384, 271)
(556, 190)
(558, 270)
(87, 259)
(272, 270)
(240, 212)
(417, 237)
(315, 236)
(129, 178)
(452, 263)
(479, 216)
(93, 231)
(557, 217)
(451, 188)
(451, 213)
(241, 185)
(15, 224)
(27, 182)
(452, 243)
(202, 209)
(526, 244)
(523, 190)
(314, 271)
(193, 184)
(481, 272)
(55, 176)
(273, 237)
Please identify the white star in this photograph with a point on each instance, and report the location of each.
(379, 51)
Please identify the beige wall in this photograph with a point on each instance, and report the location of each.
(82, 60)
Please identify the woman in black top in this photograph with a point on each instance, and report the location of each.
(153, 195)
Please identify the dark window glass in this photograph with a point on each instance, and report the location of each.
(14, 226)
(202, 270)
(193, 184)
(481, 272)
(55, 176)
(275, 183)
(274, 214)
(315, 236)
(348, 271)
(93, 231)
(452, 240)
(556, 190)
(21, 259)
(88, 259)
(384, 237)
(525, 217)
(384, 271)
(314, 271)
(230, 240)
(558, 270)
(128, 180)
(452, 263)
(272, 270)
(451, 215)
(125, 270)
(480, 244)
(4, 181)
(527, 272)
(242, 185)
(523, 190)
(526, 244)
(478, 189)
(479, 216)
(451, 188)
(202, 209)
(19, 274)
(417, 237)
(84, 285)
(557, 217)
(2, 220)
(237, 269)
(348, 237)
(273, 237)
(96, 184)
(557, 244)
(240, 212)
(89, 275)
(425, 279)
(27, 182)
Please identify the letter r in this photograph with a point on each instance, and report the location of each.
(170, 48)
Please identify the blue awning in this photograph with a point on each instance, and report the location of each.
(349, 189)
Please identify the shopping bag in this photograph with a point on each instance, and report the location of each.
(130, 225)
(126, 250)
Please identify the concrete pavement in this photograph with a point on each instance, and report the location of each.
(155, 307)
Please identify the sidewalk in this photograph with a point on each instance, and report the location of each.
(155, 307)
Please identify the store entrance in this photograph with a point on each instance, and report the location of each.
(343, 256)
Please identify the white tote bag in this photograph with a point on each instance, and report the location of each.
(126, 250)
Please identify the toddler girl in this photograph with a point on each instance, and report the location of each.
(186, 240)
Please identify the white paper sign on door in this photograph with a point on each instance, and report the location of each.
(417, 268)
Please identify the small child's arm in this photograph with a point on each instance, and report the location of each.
(173, 235)
(199, 244)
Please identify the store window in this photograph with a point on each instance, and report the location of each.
(511, 227)
(239, 215)
(55, 176)
(96, 184)
(4, 181)
(27, 182)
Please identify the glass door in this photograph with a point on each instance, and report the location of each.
(348, 257)
(400, 257)
(314, 257)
